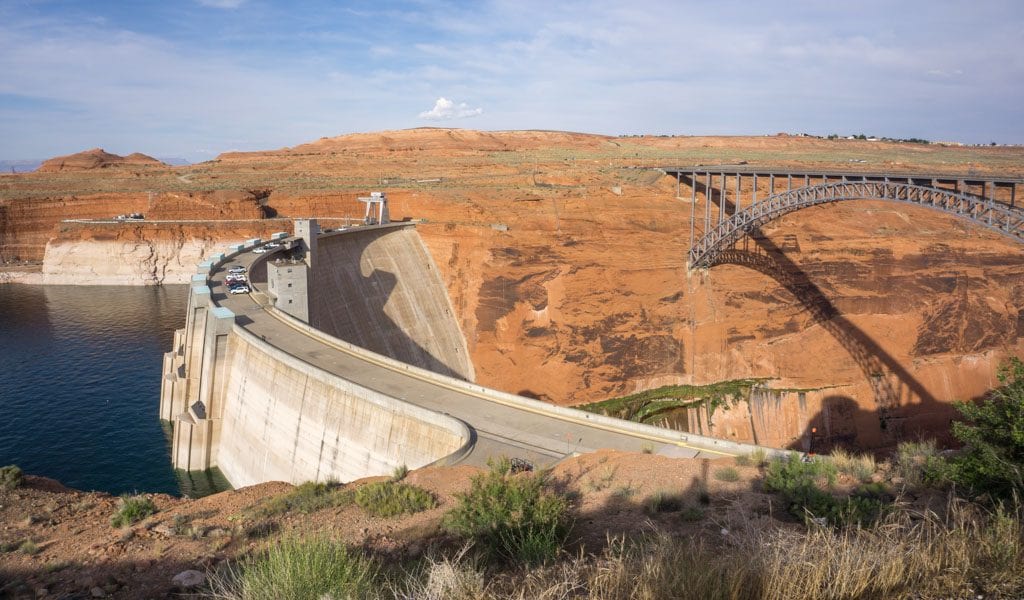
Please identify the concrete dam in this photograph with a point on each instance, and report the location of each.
(345, 360)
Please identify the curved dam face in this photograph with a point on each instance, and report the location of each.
(238, 403)
(253, 388)
(381, 291)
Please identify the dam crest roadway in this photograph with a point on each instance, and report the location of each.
(363, 371)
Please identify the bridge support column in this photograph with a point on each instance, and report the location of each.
(196, 431)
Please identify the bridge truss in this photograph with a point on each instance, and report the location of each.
(987, 201)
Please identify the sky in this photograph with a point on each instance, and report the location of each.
(194, 78)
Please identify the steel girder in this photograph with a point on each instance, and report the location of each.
(983, 211)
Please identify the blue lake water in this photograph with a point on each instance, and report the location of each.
(80, 383)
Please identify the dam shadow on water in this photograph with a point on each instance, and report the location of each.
(79, 383)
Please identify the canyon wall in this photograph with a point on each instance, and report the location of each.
(141, 253)
(27, 224)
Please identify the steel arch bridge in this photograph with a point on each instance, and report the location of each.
(987, 201)
(706, 250)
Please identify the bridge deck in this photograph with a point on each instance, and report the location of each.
(500, 429)
(768, 170)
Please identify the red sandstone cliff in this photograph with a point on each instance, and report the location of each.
(566, 264)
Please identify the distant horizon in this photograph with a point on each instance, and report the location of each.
(6, 163)
(197, 78)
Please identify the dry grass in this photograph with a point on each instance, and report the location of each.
(964, 552)
(858, 466)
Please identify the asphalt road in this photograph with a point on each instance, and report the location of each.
(500, 429)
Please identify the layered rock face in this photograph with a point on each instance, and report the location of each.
(141, 253)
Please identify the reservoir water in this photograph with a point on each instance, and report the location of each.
(80, 383)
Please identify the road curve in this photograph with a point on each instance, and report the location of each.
(501, 425)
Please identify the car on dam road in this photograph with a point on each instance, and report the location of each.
(237, 270)
(238, 289)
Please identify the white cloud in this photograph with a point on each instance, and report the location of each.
(222, 3)
(448, 109)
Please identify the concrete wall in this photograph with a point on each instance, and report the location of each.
(258, 414)
(285, 420)
(380, 290)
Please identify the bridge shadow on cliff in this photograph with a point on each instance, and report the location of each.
(891, 384)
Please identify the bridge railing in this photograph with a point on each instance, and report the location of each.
(986, 212)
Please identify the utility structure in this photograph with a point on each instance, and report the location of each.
(376, 209)
(732, 209)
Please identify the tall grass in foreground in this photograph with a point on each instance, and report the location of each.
(299, 569)
(963, 553)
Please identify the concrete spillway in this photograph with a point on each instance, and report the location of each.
(378, 380)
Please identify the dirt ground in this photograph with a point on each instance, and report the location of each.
(79, 554)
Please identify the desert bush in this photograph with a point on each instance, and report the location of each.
(757, 458)
(918, 463)
(399, 473)
(131, 510)
(858, 466)
(511, 517)
(727, 474)
(663, 501)
(299, 569)
(10, 477)
(391, 498)
(801, 484)
(992, 459)
(29, 547)
(307, 497)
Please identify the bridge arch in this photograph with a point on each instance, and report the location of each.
(707, 250)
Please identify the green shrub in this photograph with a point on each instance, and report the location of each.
(132, 510)
(391, 498)
(727, 474)
(399, 473)
(300, 569)
(10, 477)
(664, 501)
(800, 484)
(29, 547)
(992, 459)
(918, 463)
(511, 517)
(307, 497)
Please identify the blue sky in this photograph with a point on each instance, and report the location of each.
(193, 78)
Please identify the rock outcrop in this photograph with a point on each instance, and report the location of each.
(97, 158)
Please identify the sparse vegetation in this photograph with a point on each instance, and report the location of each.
(29, 547)
(651, 406)
(10, 477)
(727, 474)
(664, 501)
(400, 472)
(392, 498)
(757, 458)
(992, 459)
(805, 486)
(132, 509)
(300, 569)
(305, 498)
(512, 517)
(917, 462)
(858, 466)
